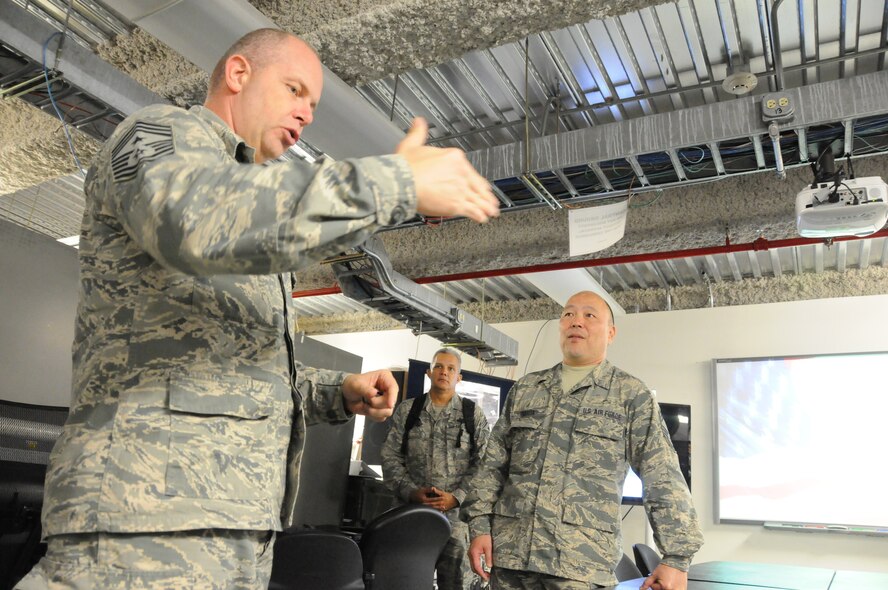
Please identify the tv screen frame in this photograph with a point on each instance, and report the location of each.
(778, 404)
(680, 435)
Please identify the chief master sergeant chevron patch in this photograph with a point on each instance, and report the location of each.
(143, 143)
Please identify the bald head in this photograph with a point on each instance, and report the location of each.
(260, 47)
(266, 88)
(593, 296)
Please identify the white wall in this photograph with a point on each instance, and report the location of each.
(38, 300)
(672, 353)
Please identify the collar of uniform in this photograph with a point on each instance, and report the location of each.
(597, 376)
(236, 147)
(449, 406)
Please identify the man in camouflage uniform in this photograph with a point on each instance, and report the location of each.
(439, 461)
(181, 453)
(544, 508)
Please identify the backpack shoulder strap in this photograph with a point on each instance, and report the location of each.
(468, 411)
(412, 419)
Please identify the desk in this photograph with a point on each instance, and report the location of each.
(765, 575)
(735, 575)
(859, 581)
(692, 585)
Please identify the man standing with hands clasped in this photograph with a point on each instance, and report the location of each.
(432, 449)
(544, 508)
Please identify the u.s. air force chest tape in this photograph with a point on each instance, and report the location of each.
(143, 143)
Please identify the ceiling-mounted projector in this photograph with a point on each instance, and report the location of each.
(851, 207)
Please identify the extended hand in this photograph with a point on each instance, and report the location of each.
(371, 394)
(665, 577)
(446, 183)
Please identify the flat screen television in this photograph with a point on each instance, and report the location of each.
(678, 423)
(801, 442)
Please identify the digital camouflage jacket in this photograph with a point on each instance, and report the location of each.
(187, 408)
(550, 483)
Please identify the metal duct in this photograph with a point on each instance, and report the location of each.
(345, 125)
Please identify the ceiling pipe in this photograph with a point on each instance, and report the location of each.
(775, 39)
(761, 244)
(345, 125)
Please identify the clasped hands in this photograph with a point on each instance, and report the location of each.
(434, 498)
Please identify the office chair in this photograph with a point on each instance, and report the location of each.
(21, 499)
(400, 548)
(309, 558)
(646, 558)
(626, 570)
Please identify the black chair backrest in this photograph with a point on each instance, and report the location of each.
(316, 559)
(400, 548)
(646, 558)
(626, 570)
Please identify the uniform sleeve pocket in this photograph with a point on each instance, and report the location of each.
(219, 431)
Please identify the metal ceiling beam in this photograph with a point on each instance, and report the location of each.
(864, 256)
(368, 278)
(712, 267)
(754, 264)
(675, 273)
(81, 68)
(695, 272)
(818, 104)
(636, 274)
(776, 266)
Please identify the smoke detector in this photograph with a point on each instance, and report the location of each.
(740, 80)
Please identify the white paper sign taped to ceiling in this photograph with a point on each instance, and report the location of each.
(595, 228)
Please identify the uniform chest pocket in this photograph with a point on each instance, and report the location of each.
(219, 438)
(598, 445)
(526, 436)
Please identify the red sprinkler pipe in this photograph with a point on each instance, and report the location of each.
(761, 244)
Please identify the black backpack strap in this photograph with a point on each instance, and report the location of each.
(468, 410)
(412, 419)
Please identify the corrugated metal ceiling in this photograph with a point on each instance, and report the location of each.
(668, 273)
(660, 59)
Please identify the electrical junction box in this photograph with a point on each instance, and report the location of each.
(777, 106)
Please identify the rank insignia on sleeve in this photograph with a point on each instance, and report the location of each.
(143, 143)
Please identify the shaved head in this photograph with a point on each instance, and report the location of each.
(266, 88)
(260, 47)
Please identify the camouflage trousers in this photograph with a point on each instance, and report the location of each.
(506, 579)
(453, 570)
(207, 559)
